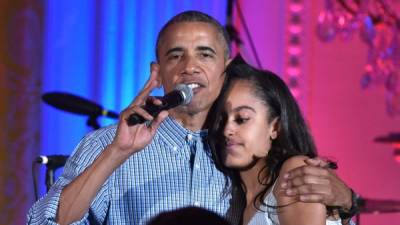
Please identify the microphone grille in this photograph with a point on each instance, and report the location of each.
(186, 92)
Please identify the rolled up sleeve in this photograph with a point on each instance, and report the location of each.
(44, 211)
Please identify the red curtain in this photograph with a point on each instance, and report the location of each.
(21, 32)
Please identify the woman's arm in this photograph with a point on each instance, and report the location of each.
(295, 212)
(330, 191)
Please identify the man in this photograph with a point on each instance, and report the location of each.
(128, 174)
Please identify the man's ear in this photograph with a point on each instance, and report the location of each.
(228, 61)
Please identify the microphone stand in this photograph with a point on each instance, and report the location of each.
(49, 180)
(49, 177)
(230, 28)
(92, 122)
(234, 34)
(74, 104)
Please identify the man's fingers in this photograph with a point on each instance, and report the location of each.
(141, 98)
(153, 100)
(309, 189)
(154, 69)
(305, 195)
(313, 161)
(307, 179)
(317, 162)
(138, 110)
(151, 83)
(314, 198)
(306, 170)
(157, 121)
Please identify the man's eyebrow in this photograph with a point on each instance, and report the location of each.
(206, 48)
(176, 49)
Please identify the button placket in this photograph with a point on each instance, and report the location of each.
(197, 173)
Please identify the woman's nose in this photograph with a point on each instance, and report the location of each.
(228, 130)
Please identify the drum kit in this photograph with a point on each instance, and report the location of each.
(384, 206)
(78, 105)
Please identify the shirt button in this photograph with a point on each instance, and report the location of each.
(197, 166)
(197, 203)
(175, 148)
(189, 137)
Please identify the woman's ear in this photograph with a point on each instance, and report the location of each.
(275, 128)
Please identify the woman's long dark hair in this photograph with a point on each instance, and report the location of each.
(293, 135)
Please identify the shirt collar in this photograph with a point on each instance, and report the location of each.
(176, 135)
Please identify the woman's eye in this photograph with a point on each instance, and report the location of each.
(241, 120)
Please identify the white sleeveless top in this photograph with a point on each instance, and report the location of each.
(269, 216)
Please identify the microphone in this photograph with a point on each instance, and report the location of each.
(75, 104)
(182, 95)
(52, 161)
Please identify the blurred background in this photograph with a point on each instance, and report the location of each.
(341, 59)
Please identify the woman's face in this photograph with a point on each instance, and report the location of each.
(246, 129)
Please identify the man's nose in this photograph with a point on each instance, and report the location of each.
(190, 66)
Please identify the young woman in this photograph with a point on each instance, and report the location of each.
(257, 134)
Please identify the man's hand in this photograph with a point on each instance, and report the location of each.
(76, 197)
(130, 139)
(315, 182)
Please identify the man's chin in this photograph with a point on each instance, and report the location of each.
(190, 109)
(196, 106)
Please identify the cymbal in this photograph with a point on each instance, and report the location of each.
(393, 137)
(76, 104)
(379, 206)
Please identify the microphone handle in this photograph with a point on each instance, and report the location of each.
(110, 114)
(135, 118)
(168, 101)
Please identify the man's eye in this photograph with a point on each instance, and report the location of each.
(206, 55)
(174, 56)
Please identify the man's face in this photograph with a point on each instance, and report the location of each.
(193, 53)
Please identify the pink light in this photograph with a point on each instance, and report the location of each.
(296, 8)
(397, 155)
(294, 50)
(321, 17)
(293, 71)
(295, 29)
(324, 16)
(396, 145)
(369, 68)
(341, 20)
(295, 92)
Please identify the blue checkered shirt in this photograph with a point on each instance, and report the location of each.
(175, 170)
